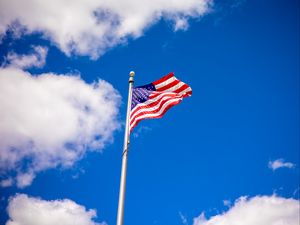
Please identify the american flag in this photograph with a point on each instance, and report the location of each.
(153, 100)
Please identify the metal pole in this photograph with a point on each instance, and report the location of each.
(124, 155)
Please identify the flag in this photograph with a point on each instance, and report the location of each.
(153, 100)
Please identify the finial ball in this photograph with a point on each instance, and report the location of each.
(131, 73)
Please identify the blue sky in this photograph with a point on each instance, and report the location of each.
(241, 59)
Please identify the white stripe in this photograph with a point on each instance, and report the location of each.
(175, 87)
(132, 123)
(161, 95)
(151, 115)
(185, 90)
(151, 108)
(162, 84)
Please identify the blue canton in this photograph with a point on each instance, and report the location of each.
(141, 94)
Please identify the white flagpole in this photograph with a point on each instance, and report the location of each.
(124, 155)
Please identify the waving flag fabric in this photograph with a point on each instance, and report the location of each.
(153, 100)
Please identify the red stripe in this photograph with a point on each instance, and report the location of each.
(155, 94)
(163, 79)
(162, 95)
(183, 87)
(160, 103)
(187, 94)
(159, 116)
(173, 83)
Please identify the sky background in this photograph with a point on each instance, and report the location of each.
(241, 59)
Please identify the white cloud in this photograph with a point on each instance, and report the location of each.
(24, 210)
(35, 59)
(181, 24)
(50, 121)
(259, 210)
(7, 182)
(25, 179)
(280, 163)
(91, 27)
(227, 203)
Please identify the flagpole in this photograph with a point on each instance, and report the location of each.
(124, 155)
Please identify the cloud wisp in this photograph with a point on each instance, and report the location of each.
(36, 59)
(92, 27)
(50, 121)
(183, 219)
(21, 209)
(280, 163)
(259, 210)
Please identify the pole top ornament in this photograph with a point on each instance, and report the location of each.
(132, 73)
